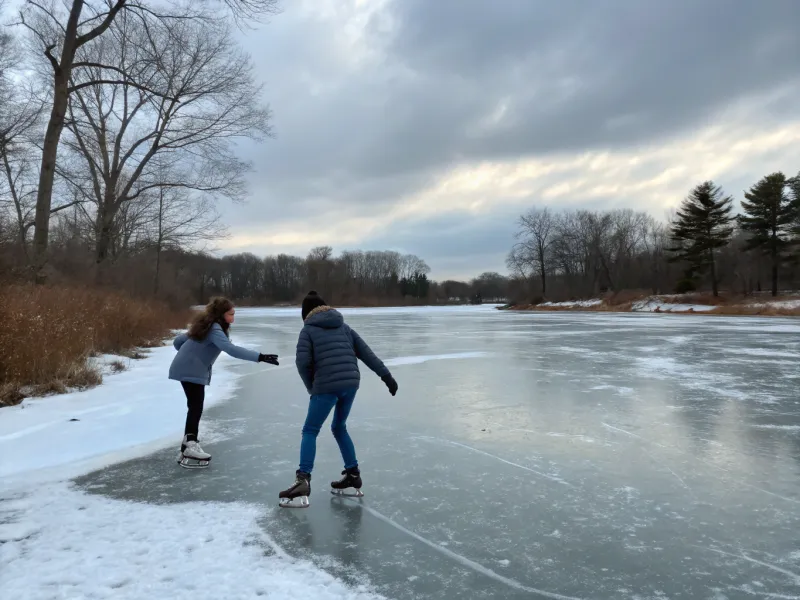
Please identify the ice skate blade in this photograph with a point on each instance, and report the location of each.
(348, 493)
(193, 463)
(299, 502)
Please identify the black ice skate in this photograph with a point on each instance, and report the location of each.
(297, 495)
(349, 485)
(192, 455)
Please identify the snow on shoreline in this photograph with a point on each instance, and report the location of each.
(59, 542)
(651, 304)
(130, 414)
(660, 304)
(574, 303)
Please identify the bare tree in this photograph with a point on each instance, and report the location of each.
(59, 31)
(531, 255)
(20, 111)
(205, 99)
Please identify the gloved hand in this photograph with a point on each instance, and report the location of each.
(268, 358)
(390, 383)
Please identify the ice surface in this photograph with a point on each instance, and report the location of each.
(69, 544)
(592, 455)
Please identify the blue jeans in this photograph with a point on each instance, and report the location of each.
(319, 407)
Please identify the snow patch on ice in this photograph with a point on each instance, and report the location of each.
(667, 368)
(556, 534)
(416, 360)
(778, 427)
(619, 390)
(762, 352)
(82, 545)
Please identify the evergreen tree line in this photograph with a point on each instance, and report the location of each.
(703, 246)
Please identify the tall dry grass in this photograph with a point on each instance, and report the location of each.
(49, 333)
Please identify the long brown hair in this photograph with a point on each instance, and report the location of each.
(214, 313)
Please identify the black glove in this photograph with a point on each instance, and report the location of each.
(390, 383)
(268, 358)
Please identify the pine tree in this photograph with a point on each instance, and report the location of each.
(769, 215)
(703, 225)
(794, 194)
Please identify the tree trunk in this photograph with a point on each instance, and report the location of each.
(46, 176)
(22, 230)
(160, 239)
(103, 241)
(713, 273)
(543, 277)
(158, 269)
(47, 172)
(775, 261)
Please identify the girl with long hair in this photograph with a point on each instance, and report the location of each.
(198, 349)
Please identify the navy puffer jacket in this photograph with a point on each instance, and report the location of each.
(328, 352)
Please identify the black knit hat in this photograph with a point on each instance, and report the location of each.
(310, 302)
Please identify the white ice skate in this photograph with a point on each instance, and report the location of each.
(193, 457)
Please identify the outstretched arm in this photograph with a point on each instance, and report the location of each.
(221, 341)
(304, 359)
(367, 356)
(180, 340)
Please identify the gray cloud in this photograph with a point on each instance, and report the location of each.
(459, 81)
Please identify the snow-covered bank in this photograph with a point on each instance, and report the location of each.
(576, 304)
(691, 303)
(656, 304)
(132, 413)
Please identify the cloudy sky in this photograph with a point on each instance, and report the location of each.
(428, 126)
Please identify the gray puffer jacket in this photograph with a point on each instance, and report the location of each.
(195, 359)
(328, 352)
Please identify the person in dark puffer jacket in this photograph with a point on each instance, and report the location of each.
(327, 356)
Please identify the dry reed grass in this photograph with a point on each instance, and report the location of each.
(50, 333)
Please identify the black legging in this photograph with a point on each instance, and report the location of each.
(195, 395)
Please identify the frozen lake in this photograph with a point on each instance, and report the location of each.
(526, 455)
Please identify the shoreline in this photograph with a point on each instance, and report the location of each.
(102, 425)
(671, 305)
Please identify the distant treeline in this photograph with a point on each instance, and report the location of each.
(704, 245)
(352, 278)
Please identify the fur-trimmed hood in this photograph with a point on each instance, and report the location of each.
(325, 317)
